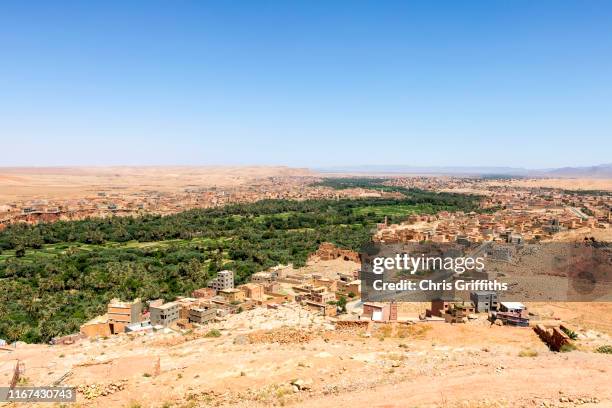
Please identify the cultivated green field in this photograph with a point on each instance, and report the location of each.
(397, 211)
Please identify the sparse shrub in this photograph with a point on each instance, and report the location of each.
(213, 333)
(607, 349)
(528, 353)
(146, 375)
(384, 331)
(566, 348)
(341, 304)
(570, 333)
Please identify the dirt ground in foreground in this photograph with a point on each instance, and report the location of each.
(289, 357)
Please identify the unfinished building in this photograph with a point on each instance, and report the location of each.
(202, 314)
(165, 314)
(484, 301)
(224, 280)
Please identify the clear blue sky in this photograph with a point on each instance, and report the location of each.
(313, 83)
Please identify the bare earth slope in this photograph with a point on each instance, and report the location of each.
(262, 352)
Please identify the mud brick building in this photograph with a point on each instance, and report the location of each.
(121, 314)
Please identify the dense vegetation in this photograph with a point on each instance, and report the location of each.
(416, 196)
(53, 277)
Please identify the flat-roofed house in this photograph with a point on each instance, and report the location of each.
(253, 291)
(97, 326)
(165, 314)
(121, 314)
(484, 301)
(232, 295)
(202, 314)
(379, 311)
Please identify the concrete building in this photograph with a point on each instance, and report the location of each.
(165, 314)
(484, 301)
(202, 314)
(224, 280)
(121, 314)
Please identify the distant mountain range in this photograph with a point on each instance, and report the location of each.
(600, 171)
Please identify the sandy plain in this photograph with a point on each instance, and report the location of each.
(18, 184)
